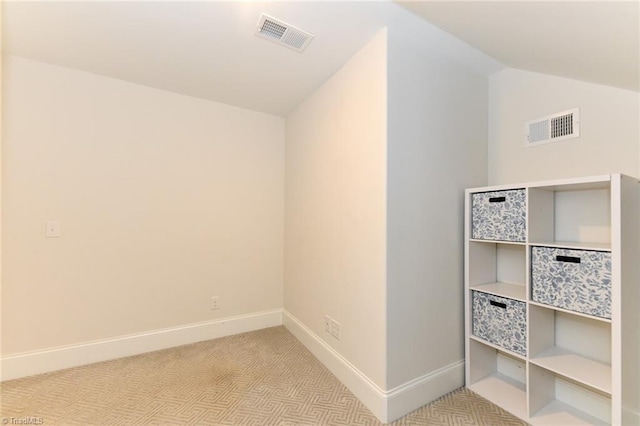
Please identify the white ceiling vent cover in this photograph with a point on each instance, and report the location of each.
(556, 127)
(283, 33)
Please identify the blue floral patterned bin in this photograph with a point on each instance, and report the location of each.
(499, 215)
(576, 280)
(500, 321)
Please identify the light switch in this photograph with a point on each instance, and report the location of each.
(53, 229)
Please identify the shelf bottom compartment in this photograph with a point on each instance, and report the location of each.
(556, 400)
(509, 394)
(557, 413)
(498, 376)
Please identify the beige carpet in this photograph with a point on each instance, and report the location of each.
(260, 378)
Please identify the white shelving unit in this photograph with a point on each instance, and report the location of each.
(579, 368)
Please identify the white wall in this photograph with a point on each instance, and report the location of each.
(164, 201)
(335, 209)
(437, 146)
(609, 128)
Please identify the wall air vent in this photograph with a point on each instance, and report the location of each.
(553, 128)
(282, 33)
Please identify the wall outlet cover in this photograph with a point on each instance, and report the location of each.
(215, 303)
(335, 329)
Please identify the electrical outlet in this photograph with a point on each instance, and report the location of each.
(327, 323)
(215, 303)
(335, 329)
(53, 229)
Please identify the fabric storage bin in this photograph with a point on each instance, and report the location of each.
(499, 215)
(576, 280)
(500, 321)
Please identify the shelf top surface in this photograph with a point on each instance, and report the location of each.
(589, 182)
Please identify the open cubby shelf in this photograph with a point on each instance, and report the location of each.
(501, 390)
(498, 376)
(567, 252)
(557, 413)
(573, 366)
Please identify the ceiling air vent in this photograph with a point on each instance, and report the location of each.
(553, 128)
(283, 33)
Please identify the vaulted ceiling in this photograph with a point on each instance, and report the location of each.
(595, 41)
(208, 49)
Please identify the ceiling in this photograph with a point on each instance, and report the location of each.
(208, 50)
(595, 41)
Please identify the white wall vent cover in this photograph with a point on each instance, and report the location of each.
(282, 33)
(556, 127)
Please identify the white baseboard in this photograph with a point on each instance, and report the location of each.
(37, 362)
(389, 405)
(418, 392)
(370, 394)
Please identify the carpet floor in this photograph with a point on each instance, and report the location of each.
(264, 377)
